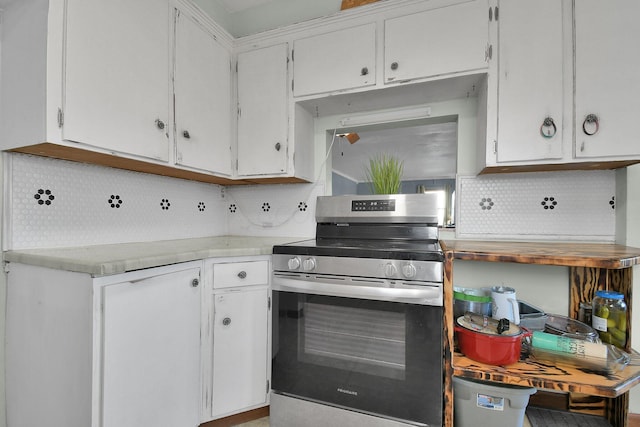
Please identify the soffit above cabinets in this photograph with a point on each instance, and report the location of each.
(396, 96)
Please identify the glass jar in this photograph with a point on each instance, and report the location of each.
(609, 317)
(584, 313)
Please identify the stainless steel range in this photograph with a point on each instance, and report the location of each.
(358, 316)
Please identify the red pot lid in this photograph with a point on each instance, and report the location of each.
(489, 326)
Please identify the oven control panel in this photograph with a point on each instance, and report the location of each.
(430, 271)
(373, 205)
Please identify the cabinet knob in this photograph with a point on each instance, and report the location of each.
(195, 283)
(278, 146)
(159, 124)
(591, 124)
(364, 71)
(548, 128)
(226, 321)
(186, 134)
(394, 66)
(242, 274)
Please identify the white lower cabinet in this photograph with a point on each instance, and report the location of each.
(115, 351)
(240, 322)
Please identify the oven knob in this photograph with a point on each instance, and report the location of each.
(308, 264)
(293, 263)
(409, 271)
(390, 270)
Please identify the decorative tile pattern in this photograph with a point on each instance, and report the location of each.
(574, 205)
(56, 203)
(273, 210)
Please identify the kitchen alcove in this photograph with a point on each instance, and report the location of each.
(427, 149)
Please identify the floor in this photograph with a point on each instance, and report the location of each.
(264, 422)
(261, 422)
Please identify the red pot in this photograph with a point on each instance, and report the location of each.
(490, 348)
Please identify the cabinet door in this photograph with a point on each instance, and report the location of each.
(151, 352)
(343, 59)
(607, 66)
(440, 41)
(202, 87)
(262, 115)
(530, 80)
(240, 368)
(116, 76)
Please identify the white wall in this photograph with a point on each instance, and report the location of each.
(628, 203)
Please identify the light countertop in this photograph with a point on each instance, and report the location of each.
(102, 260)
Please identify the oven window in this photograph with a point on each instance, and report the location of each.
(342, 337)
(377, 357)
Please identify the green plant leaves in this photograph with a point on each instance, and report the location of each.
(385, 174)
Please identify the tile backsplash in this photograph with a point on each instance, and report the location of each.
(55, 203)
(576, 205)
(273, 210)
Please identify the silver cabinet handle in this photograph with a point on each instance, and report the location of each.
(278, 146)
(591, 124)
(364, 71)
(186, 134)
(548, 128)
(195, 283)
(159, 124)
(394, 66)
(226, 321)
(242, 274)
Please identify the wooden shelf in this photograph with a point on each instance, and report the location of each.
(597, 255)
(547, 376)
(591, 266)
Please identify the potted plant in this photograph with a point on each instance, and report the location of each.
(384, 174)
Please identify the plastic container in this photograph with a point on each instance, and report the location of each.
(531, 317)
(489, 404)
(609, 317)
(471, 300)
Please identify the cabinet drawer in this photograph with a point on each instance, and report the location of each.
(234, 274)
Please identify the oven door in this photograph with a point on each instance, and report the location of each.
(370, 355)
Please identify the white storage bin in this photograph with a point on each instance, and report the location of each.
(496, 405)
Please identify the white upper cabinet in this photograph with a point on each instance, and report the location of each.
(561, 93)
(339, 60)
(607, 66)
(529, 68)
(445, 40)
(263, 111)
(202, 88)
(116, 83)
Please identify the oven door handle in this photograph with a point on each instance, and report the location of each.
(412, 294)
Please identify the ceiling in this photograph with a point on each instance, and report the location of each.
(246, 17)
(427, 151)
